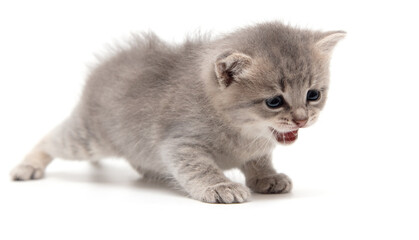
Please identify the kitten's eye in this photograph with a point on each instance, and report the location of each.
(275, 102)
(313, 95)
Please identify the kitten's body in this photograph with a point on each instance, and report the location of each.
(172, 114)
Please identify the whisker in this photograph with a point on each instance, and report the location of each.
(267, 141)
(254, 140)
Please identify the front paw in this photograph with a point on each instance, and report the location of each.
(277, 183)
(226, 192)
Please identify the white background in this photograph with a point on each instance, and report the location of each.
(356, 171)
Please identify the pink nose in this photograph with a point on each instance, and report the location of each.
(300, 123)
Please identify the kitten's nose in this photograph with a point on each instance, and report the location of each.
(300, 123)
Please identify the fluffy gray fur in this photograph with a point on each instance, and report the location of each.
(187, 112)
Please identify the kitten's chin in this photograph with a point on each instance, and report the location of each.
(285, 138)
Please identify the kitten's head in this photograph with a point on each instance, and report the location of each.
(273, 79)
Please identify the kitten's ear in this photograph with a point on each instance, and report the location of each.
(328, 41)
(229, 66)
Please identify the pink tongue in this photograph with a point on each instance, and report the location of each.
(287, 137)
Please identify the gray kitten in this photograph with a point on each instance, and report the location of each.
(187, 112)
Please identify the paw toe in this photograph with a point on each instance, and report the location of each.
(278, 183)
(226, 193)
(26, 172)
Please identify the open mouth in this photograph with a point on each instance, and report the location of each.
(285, 137)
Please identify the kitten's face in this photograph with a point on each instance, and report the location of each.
(276, 102)
(274, 95)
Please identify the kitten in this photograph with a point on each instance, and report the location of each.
(187, 112)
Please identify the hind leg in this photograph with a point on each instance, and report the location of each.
(70, 140)
(33, 165)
